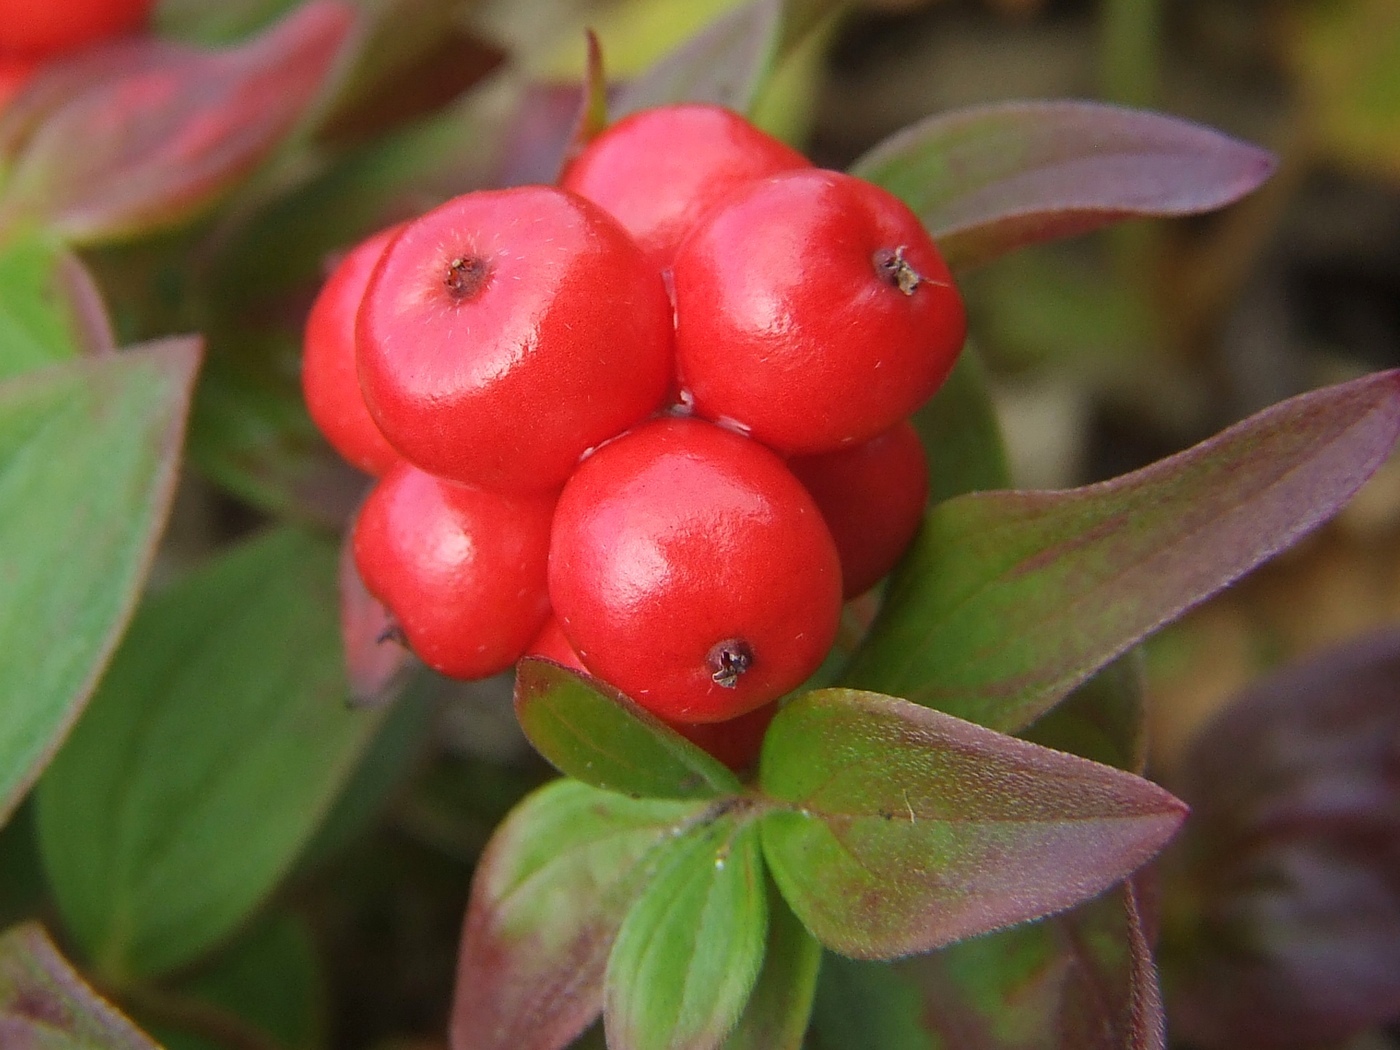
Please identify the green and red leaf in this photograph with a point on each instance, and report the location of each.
(1008, 600)
(550, 893)
(988, 179)
(902, 829)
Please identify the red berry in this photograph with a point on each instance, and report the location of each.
(329, 377)
(736, 742)
(46, 27)
(813, 311)
(658, 171)
(872, 496)
(691, 570)
(15, 72)
(462, 569)
(505, 333)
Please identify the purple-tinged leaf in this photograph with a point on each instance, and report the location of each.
(146, 133)
(44, 1004)
(726, 64)
(592, 732)
(592, 119)
(992, 178)
(1081, 980)
(901, 829)
(1105, 719)
(549, 895)
(687, 956)
(1286, 886)
(778, 1011)
(376, 664)
(1008, 600)
(89, 456)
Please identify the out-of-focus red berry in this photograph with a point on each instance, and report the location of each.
(329, 378)
(15, 71)
(690, 569)
(506, 332)
(461, 569)
(813, 311)
(658, 171)
(40, 28)
(872, 496)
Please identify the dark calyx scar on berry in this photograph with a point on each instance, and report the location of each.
(891, 265)
(466, 275)
(728, 660)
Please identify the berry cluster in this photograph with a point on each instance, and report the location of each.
(651, 423)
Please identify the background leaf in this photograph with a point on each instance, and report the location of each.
(987, 179)
(777, 1012)
(88, 457)
(50, 311)
(905, 829)
(1104, 720)
(158, 131)
(1008, 600)
(549, 895)
(962, 439)
(590, 731)
(1284, 925)
(44, 1004)
(689, 951)
(217, 742)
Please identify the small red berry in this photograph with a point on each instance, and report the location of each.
(872, 496)
(462, 569)
(691, 570)
(658, 171)
(329, 379)
(736, 742)
(813, 311)
(505, 333)
(15, 71)
(46, 27)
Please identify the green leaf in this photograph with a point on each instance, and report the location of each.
(1105, 719)
(778, 1010)
(591, 731)
(988, 179)
(267, 982)
(689, 951)
(549, 895)
(904, 829)
(38, 320)
(1008, 600)
(44, 1004)
(217, 743)
(88, 458)
(961, 436)
(726, 64)
(869, 1006)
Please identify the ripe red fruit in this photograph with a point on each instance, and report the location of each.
(462, 569)
(505, 333)
(736, 742)
(872, 496)
(813, 311)
(46, 27)
(691, 570)
(15, 71)
(329, 378)
(658, 171)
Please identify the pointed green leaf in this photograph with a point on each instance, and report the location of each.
(43, 311)
(592, 732)
(904, 829)
(217, 742)
(549, 895)
(778, 1010)
(1008, 600)
(961, 436)
(44, 1004)
(725, 64)
(988, 179)
(688, 954)
(88, 457)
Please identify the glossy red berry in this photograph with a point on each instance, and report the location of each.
(46, 27)
(660, 170)
(461, 569)
(872, 496)
(329, 378)
(736, 742)
(691, 570)
(15, 71)
(813, 311)
(506, 332)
